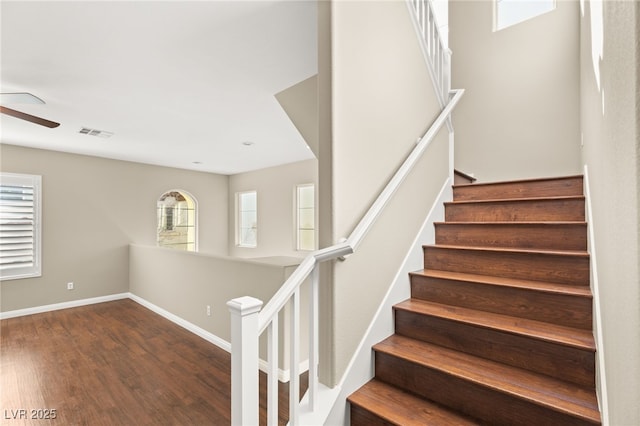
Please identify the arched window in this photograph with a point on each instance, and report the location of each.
(177, 214)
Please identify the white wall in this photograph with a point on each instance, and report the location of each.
(381, 101)
(520, 114)
(610, 90)
(275, 187)
(93, 208)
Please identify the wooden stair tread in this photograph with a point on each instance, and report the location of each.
(541, 286)
(569, 185)
(539, 389)
(512, 200)
(402, 408)
(548, 265)
(574, 253)
(516, 223)
(531, 180)
(518, 233)
(572, 337)
(500, 326)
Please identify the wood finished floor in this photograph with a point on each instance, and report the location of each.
(114, 363)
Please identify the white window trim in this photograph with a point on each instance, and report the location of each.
(34, 181)
(296, 225)
(239, 242)
(196, 224)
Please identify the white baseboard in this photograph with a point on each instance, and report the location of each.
(62, 305)
(283, 375)
(198, 331)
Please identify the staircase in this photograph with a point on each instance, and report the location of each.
(498, 329)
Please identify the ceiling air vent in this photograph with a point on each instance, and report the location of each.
(94, 132)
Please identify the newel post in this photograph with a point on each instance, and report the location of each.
(244, 360)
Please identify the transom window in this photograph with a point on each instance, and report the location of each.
(20, 226)
(177, 214)
(511, 12)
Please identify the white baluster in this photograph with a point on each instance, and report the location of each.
(433, 34)
(244, 360)
(294, 367)
(272, 373)
(423, 17)
(448, 70)
(440, 68)
(427, 29)
(313, 339)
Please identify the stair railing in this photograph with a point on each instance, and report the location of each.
(437, 55)
(248, 321)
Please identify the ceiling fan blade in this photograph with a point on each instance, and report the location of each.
(29, 117)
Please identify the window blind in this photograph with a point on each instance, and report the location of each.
(19, 226)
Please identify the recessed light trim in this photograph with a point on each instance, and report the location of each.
(248, 143)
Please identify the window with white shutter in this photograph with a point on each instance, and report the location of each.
(20, 226)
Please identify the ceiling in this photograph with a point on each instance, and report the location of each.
(180, 84)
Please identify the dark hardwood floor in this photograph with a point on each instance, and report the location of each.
(114, 363)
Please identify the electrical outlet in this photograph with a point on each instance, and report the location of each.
(208, 310)
(69, 286)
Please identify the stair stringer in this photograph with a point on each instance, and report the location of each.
(601, 380)
(361, 366)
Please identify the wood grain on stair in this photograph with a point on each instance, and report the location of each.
(520, 210)
(560, 267)
(379, 403)
(526, 235)
(565, 305)
(500, 394)
(561, 352)
(530, 188)
(580, 339)
(499, 324)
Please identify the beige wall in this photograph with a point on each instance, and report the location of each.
(184, 283)
(300, 102)
(382, 102)
(325, 184)
(275, 187)
(93, 208)
(611, 130)
(520, 114)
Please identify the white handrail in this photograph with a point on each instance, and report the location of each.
(282, 296)
(244, 307)
(377, 207)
